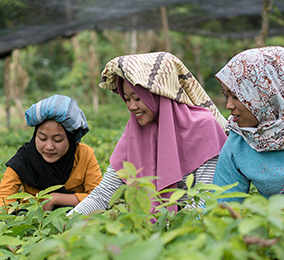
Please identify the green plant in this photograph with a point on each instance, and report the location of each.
(249, 230)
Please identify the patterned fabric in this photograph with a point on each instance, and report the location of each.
(256, 77)
(63, 110)
(161, 73)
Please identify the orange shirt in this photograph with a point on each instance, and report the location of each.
(85, 176)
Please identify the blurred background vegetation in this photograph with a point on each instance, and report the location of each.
(72, 66)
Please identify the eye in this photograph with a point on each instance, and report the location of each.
(58, 141)
(137, 99)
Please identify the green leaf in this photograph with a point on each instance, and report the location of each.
(48, 190)
(10, 241)
(246, 226)
(114, 227)
(149, 250)
(117, 194)
(144, 200)
(123, 174)
(58, 223)
(177, 195)
(235, 194)
(21, 195)
(189, 181)
(20, 228)
(54, 214)
(275, 204)
(39, 213)
(44, 249)
(130, 168)
(171, 235)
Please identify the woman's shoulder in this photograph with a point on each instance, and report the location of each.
(83, 149)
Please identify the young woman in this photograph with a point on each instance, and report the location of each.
(253, 84)
(54, 155)
(168, 134)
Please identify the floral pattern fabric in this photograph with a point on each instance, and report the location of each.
(256, 77)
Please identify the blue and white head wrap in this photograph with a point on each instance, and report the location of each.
(61, 109)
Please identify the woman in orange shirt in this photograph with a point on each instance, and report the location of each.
(54, 155)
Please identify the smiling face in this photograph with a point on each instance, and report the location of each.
(136, 106)
(51, 141)
(242, 116)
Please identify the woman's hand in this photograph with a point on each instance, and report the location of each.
(60, 199)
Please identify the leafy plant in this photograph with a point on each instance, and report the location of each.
(251, 230)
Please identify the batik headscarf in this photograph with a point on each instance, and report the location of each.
(181, 137)
(28, 162)
(163, 74)
(256, 77)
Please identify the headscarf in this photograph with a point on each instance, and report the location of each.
(180, 138)
(63, 110)
(28, 162)
(161, 73)
(256, 77)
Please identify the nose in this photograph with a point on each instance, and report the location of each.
(230, 104)
(49, 145)
(132, 105)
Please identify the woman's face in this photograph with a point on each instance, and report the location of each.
(136, 106)
(241, 114)
(51, 141)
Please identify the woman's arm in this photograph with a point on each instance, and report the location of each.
(10, 184)
(100, 196)
(227, 172)
(60, 199)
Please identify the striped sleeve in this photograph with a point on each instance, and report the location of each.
(100, 196)
(203, 174)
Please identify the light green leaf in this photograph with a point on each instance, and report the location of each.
(130, 168)
(246, 226)
(149, 250)
(114, 227)
(48, 190)
(189, 181)
(177, 195)
(118, 193)
(21, 195)
(144, 200)
(10, 241)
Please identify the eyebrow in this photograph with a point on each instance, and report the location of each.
(39, 132)
(130, 93)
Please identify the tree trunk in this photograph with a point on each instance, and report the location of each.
(18, 82)
(166, 28)
(7, 91)
(94, 71)
(260, 40)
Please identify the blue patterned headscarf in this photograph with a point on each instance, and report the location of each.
(63, 110)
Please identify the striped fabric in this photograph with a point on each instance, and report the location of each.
(99, 198)
(63, 110)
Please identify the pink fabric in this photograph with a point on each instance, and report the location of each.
(179, 140)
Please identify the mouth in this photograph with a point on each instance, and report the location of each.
(49, 154)
(235, 118)
(139, 115)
